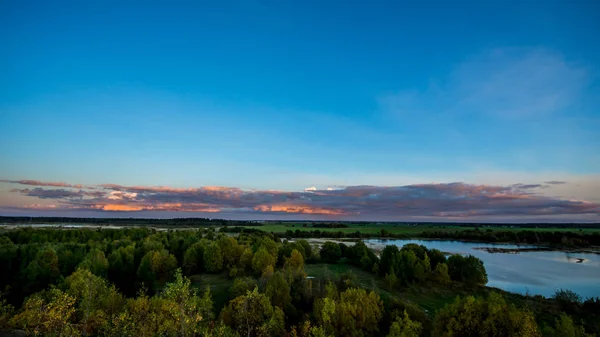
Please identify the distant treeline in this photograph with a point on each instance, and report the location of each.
(329, 225)
(176, 222)
(562, 238)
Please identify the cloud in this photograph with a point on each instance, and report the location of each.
(41, 183)
(300, 209)
(555, 182)
(438, 201)
(518, 82)
(310, 189)
(528, 186)
(119, 195)
(501, 82)
(50, 193)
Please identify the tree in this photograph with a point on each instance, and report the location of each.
(565, 295)
(50, 317)
(43, 270)
(70, 256)
(193, 259)
(96, 262)
(330, 252)
(241, 285)
(6, 312)
(325, 313)
(295, 263)
(261, 260)
(252, 314)
(231, 251)
(440, 274)
(436, 257)
(96, 300)
(391, 279)
(490, 316)
(565, 328)
(403, 326)
(122, 269)
(245, 263)
(266, 243)
(567, 299)
(388, 259)
(278, 290)
(185, 307)
(307, 249)
(358, 313)
(156, 268)
(468, 269)
(213, 259)
(354, 313)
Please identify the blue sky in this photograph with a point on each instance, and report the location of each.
(286, 95)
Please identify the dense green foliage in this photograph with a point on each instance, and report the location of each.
(143, 282)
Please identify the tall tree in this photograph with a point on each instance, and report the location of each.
(96, 262)
(156, 268)
(252, 315)
(213, 258)
(278, 290)
(262, 259)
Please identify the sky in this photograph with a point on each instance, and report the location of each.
(319, 110)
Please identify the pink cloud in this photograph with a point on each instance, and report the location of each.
(443, 201)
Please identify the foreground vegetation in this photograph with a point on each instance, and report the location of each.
(143, 282)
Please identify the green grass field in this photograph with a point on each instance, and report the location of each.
(219, 287)
(405, 229)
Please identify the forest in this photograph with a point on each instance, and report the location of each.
(147, 282)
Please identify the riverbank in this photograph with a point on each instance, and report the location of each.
(591, 250)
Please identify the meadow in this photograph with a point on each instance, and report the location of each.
(416, 229)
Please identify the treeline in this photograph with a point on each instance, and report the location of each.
(329, 225)
(138, 282)
(298, 233)
(175, 222)
(557, 238)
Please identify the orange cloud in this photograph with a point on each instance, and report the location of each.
(117, 207)
(301, 209)
(158, 207)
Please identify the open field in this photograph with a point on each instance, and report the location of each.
(409, 230)
(219, 287)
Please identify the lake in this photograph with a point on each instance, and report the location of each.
(534, 273)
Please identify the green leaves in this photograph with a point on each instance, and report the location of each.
(156, 268)
(490, 316)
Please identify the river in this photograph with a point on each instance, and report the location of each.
(534, 273)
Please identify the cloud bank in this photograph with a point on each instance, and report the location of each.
(446, 201)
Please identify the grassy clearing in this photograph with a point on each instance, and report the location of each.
(411, 230)
(363, 228)
(219, 287)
